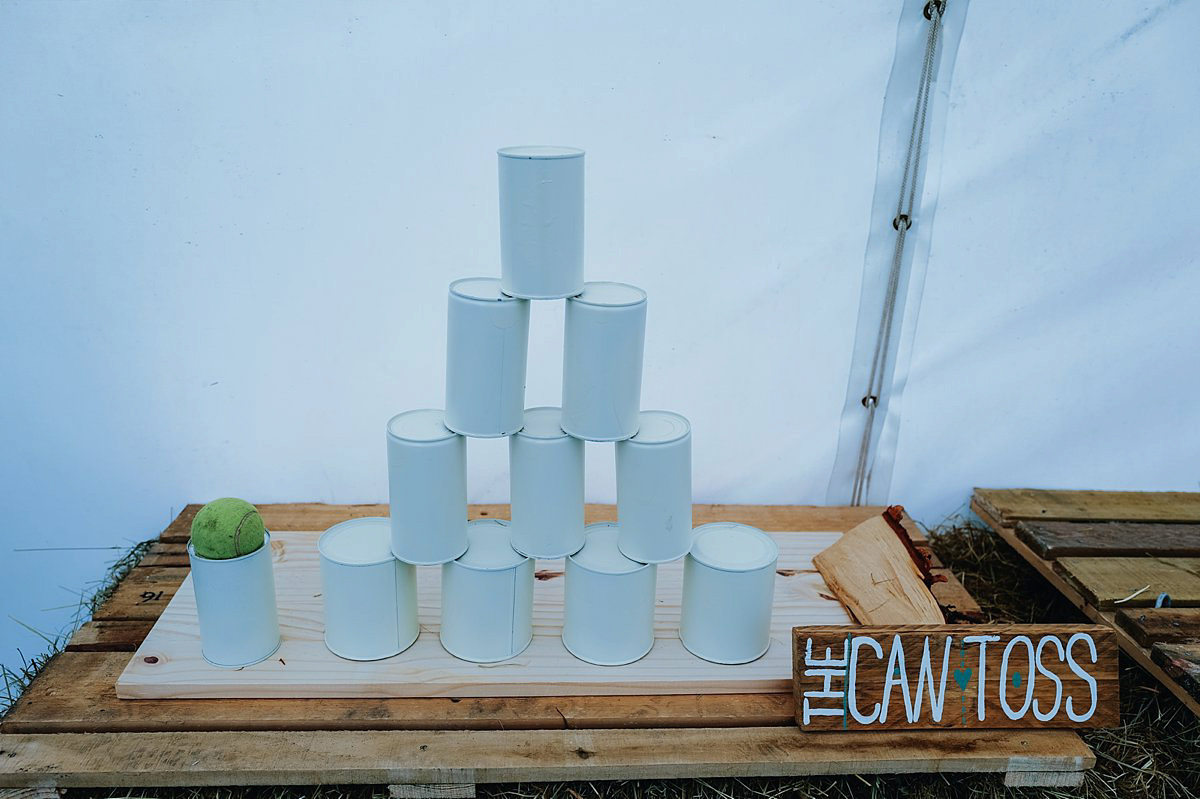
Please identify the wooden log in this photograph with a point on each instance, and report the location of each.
(352, 757)
(1150, 626)
(946, 676)
(1115, 583)
(1052, 540)
(871, 572)
(1009, 505)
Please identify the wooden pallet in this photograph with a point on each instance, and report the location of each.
(70, 729)
(1112, 554)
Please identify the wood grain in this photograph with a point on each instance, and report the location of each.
(78, 695)
(109, 636)
(824, 691)
(1008, 505)
(870, 570)
(168, 663)
(1182, 663)
(1149, 626)
(1108, 583)
(1059, 539)
(354, 757)
(143, 594)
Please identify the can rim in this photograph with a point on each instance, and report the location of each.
(686, 431)
(539, 152)
(638, 566)
(356, 522)
(610, 663)
(523, 559)
(583, 299)
(456, 288)
(403, 648)
(393, 434)
(266, 544)
(537, 412)
(706, 529)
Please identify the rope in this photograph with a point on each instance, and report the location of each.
(901, 222)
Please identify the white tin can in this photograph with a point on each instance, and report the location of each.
(608, 616)
(546, 473)
(235, 602)
(602, 361)
(370, 598)
(728, 593)
(487, 340)
(487, 597)
(541, 221)
(654, 488)
(427, 488)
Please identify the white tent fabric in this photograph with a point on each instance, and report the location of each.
(228, 232)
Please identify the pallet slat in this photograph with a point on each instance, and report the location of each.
(350, 757)
(1109, 583)
(1162, 625)
(1061, 539)
(78, 695)
(109, 636)
(142, 595)
(1008, 505)
(1181, 662)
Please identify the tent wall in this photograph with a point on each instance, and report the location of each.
(228, 231)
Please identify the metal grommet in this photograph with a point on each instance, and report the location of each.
(940, 5)
(870, 401)
(902, 218)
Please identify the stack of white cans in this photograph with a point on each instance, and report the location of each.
(488, 566)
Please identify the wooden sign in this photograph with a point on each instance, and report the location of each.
(946, 676)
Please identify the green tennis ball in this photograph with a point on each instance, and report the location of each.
(227, 528)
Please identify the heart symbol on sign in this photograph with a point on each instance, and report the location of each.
(962, 677)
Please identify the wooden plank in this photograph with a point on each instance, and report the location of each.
(76, 693)
(109, 636)
(300, 516)
(1043, 779)
(1182, 663)
(1052, 540)
(168, 663)
(142, 595)
(1111, 583)
(1149, 626)
(352, 757)
(441, 790)
(1130, 647)
(870, 570)
(1009, 505)
(162, 553)
(975, 676)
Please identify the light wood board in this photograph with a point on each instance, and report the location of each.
(168, 664)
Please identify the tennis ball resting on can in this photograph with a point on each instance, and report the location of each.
(227, 528)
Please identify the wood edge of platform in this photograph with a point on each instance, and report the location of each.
(348, 757)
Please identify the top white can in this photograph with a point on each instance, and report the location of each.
(541, 221)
